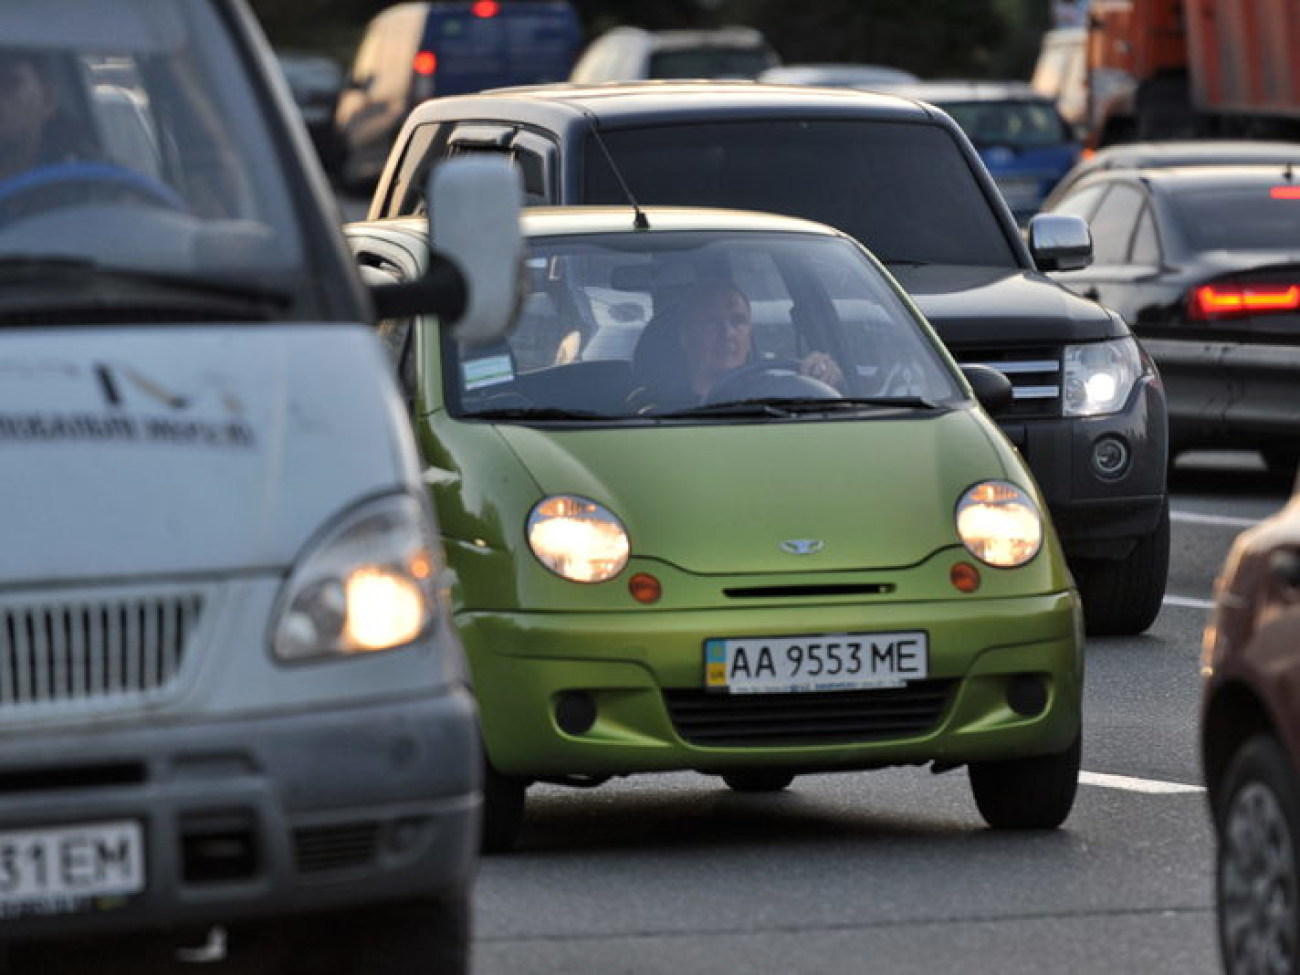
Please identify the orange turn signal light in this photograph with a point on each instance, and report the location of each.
(964, 577)
(645, 588)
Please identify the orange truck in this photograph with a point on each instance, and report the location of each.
(1162, 69)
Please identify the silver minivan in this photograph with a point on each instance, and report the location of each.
(229, 687)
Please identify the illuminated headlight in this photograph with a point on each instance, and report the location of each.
(367, 585)
(1100, 376)
(999, 524)
(577, 539)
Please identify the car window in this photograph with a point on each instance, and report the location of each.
(709, 62)
(1081, 203)
(1113, 224)
(1236, 217)
(605, 328)
(1018, 124)
(1146, 242)
(861, 177)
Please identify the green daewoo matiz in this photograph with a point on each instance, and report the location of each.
(721, 501)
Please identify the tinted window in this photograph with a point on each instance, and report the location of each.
(1235, 217)
(1146, 243)
(522, 44)
(862, 177)
(709, 62)
(1019, 124)
(1112, 224)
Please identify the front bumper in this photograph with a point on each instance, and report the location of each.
(1099, 516)
(313, 810)
(637, 668)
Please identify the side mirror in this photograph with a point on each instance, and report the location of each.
(991, 387)
(474, 211)
(1059, 242)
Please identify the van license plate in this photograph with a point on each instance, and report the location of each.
(826, 662)
(52, 871)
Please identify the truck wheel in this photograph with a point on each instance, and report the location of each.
(1027, 793)
(503, 810)
(1122, 598)
(1257, 873)
(762, 780)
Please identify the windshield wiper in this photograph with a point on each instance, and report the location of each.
(59, 270)
(789, 406)
(535, 413)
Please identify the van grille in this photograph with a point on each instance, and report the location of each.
(81, 651)
(1035, 376)
(830, 717)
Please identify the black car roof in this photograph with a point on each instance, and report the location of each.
(642, 101)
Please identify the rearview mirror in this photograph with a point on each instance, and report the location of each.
(1059, 242)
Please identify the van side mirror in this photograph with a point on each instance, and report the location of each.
(474, 211)
(991, 387)
(1059, 242)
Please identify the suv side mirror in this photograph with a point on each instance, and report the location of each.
(474, 279)
(1059, 242)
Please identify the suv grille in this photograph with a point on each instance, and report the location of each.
(826, 717)
(1035, 376)
(81, 651)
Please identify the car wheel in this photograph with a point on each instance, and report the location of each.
(1257, 873)
(503, 810)
(1122, 598)
(1027, 793)
(762, 780)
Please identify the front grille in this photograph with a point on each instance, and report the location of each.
(78, 651)
(829, 717)
(320, 849)
(1035, 376)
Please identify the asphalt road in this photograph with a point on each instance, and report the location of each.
(894, 871)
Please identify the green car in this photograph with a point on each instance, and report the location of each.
(721, 501)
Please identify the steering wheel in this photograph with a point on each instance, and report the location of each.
(775, 378)
(69, 183)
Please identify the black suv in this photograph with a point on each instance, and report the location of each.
(1089, 410)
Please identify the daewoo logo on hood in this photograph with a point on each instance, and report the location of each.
(802, 546)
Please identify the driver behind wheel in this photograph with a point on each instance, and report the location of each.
(32, 128)
(705, 335)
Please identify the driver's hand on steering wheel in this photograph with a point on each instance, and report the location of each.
(820, 366)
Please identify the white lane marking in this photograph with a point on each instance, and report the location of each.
(1189, 602)
(1130, 784)
(1222, 521)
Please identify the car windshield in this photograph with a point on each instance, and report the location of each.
(859, 176)
(1016, 124)
(647, 327)
(1254, 216)
(119, 155)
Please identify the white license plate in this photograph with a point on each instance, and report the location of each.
(51, 870)
(825, 662)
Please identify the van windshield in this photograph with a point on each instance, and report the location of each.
(702, 325)
(863, 177)
(132, 147)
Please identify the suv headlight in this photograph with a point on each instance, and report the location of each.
(578, 539)
(999, 524)
(366, 585)
(1100, 376)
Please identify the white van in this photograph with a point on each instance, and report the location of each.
(229, 687)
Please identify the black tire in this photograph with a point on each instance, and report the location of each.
(759, 780)
(1027, 793)
(1257, 870)
(503, 810)
(1122, 597)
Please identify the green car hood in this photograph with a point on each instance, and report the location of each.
(716, 499)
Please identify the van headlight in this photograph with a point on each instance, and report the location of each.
(1099, 376)
(366, 585)
(999, 524)
(578, 539)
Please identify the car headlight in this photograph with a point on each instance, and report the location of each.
(1100, 376)
(577, 538)
(999, 524)
(366, 585)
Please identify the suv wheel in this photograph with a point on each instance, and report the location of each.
(1257, 873)
(1122, 598)
(1027, 793)
(503, 810)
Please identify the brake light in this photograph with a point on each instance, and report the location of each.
(485, 8)
(1229, 300)
(1285, 192)
(426, 63)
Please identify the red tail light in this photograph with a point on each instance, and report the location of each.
(426, 63)
(1236, 300)
(1285, 192)
(485, 8)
